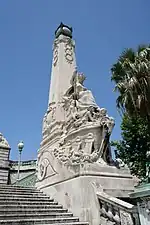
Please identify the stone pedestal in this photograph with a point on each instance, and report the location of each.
(142, 196)
(73, 186)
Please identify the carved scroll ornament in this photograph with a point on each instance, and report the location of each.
(42, 168)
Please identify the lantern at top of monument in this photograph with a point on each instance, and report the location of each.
(63, 29)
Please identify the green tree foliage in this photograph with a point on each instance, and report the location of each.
(135, 143)
(131, 75)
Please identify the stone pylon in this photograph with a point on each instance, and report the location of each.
(75, 157)
(63, 64)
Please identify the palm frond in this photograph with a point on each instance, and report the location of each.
(131, 74)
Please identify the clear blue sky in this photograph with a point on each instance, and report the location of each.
(102, 29)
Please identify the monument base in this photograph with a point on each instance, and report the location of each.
(74, 186)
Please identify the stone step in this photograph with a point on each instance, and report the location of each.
(37, 223)
(20, 191)
(29, 221)
(2, 193)
(3, 178)
(2, 181)
(33, 210)
(9, 196)
(25, 202)
(30, 207)
(73, 223)
(54, 215)
(5, 186)
(3, 174)
(17, 188)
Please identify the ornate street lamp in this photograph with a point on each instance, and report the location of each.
(20, 148)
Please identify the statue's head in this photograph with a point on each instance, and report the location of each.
(81, 78)
(77, 78)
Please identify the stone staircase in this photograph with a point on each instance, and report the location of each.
(27, 206)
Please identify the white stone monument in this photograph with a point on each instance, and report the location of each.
(75, 158)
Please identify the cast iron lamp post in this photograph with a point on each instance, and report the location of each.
(20, 148)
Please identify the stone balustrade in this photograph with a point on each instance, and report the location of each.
(116, 211)
(27, 168)
(28, 163)
(27, 181)
(141, 196)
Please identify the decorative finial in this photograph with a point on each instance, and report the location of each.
(3, 141)
(64, 30)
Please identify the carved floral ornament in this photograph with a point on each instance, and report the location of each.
(68, 48)
(126, 218)
(69, 52)
(55, 54)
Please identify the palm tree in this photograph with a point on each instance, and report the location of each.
(131, 75)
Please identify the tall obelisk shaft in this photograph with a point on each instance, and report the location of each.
(63, 64)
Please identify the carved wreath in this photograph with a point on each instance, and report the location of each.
(69, 52)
